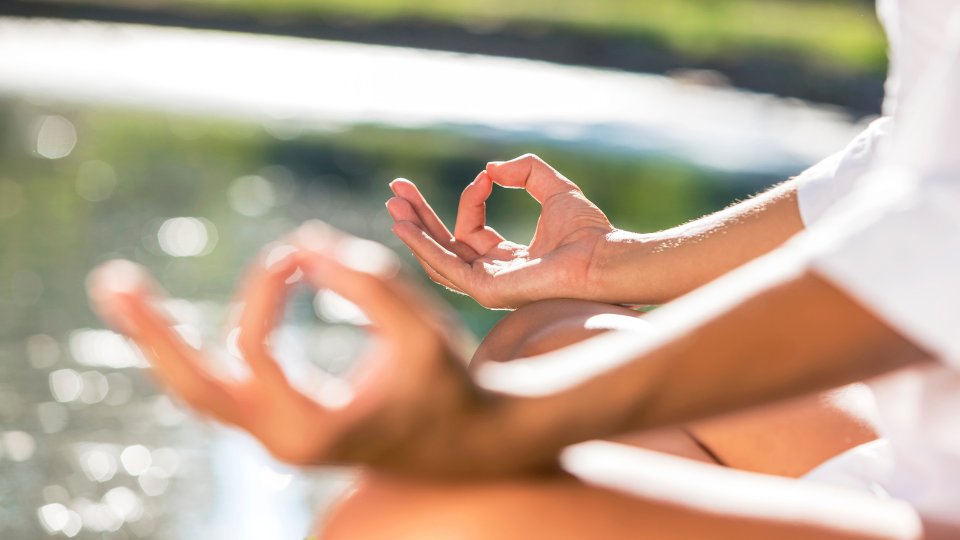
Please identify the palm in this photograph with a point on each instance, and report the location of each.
(412, 370)
(478, 261)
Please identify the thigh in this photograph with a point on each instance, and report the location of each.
(792, 437)
(551, 324)
(620, 493)
(787, 439)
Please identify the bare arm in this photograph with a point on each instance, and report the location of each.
(765, 332)
(576, 252)
(657, 267)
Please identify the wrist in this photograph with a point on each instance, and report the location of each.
(547, 403)
(630, 268)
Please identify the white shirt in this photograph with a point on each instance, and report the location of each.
(883, 219)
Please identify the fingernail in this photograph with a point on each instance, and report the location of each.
(235, 313)
(108, 287)
(367, 256)
(278, 257)
(114, 277)
(316, 235)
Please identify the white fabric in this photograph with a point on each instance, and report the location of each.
(866, 468)
(892, 241)
(917, 31)
(919, 413)
(828, 182)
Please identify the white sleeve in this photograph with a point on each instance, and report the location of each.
(893, 244)
(827, 182)
(895, 248)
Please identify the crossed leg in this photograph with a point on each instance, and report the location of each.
(786, 439)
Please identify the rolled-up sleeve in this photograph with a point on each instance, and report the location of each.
(821, 186)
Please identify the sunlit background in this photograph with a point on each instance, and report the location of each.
(156, 131)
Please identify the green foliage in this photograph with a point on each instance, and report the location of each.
(170, 166)
(841, 33)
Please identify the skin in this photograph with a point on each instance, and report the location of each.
(788, 438)
(623, 492)
(672, 262)
(417, 413)
(575, 251)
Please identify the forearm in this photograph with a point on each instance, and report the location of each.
(657, 267)
(756, 336)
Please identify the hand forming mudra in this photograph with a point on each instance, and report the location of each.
(497, 273)
(413, 408)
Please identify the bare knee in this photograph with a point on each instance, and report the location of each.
(547, 325)
(376, 509)
(395, 509)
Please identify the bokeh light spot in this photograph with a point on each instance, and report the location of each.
(53, 517)
(152, 483)
(104, 348)
(95, 387)
(19, 445)
(65, 385)
(187, 237)
(135, 459)
(334, 308)
(56, 137)
(251, 196)
(124, 503)
(98, 464)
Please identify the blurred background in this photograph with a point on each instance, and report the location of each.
(185, 134)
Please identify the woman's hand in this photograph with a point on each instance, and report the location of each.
(411, 407)
(497, 273)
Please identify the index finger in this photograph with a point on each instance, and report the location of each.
(471, 227)
(122, 293)
(531, 173)
(264, 296)
(406, 189)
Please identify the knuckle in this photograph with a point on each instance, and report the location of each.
(537, 166)
(305, 447)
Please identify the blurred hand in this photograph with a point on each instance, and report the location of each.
(413, 407)
(477, 261)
